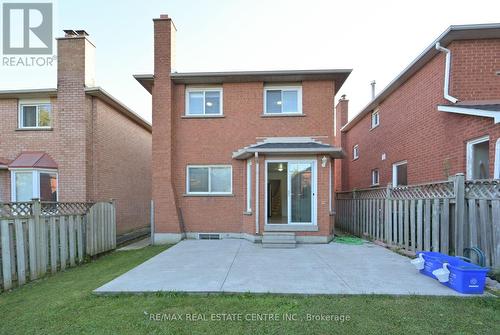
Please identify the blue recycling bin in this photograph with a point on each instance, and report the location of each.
(464, 277)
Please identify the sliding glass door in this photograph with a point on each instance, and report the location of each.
(291, 187)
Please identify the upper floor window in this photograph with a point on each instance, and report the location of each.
(283, 100)
(375, 118)
(35, 114)
(355, 152)
(203, 101)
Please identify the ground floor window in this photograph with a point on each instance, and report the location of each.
(497, 160)
(400, 174)
(375, 177)
(209, 179)
(478, 162)
(34, 184)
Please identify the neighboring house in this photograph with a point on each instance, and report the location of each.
(75, 143)
(241, 154)
(433, 120)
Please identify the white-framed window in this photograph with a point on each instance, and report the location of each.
(209, 179)
(355, 152)
(400, 173)
(249, 185)
(203, 102)
(478, 158)
(375, 177)
(375, 118)
(279, 100)
(497, 160)
(35, 114)
(28, 184)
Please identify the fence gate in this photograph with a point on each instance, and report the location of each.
(101, 228)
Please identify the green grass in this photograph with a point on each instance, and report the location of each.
(64, 304)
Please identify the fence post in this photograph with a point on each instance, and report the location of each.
(388, 214)
(459, 192)
(37, 209)
(354, 227)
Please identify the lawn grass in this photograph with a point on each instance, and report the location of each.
(64, 304)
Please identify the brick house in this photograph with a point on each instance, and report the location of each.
(241, 154)
(75, 143)
(439, 117)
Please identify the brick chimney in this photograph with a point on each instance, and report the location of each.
(75, 71)
(167, 223)
(341, 117)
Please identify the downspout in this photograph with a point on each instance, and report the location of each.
(256, 192)
(446, 89)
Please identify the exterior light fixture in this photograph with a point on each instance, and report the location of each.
(324, 160)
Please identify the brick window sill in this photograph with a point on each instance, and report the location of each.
(203, 117)
(282, 115)
(208, 195)
(34, 129)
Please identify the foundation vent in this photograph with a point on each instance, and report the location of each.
(209, 236)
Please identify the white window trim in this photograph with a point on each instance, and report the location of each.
(209, 180)
(36, 181)
(496, 173)
(297, 88)
(33, 103)
(355, 152)
(204, 90)
(378, 177)
(470, 153)
(249, 186)
(375, 112)
(395, 172)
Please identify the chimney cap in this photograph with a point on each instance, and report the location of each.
(75, 33)
(164, 16)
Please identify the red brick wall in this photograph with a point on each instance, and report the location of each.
(14, 141)
(121, 166)
(4, 186)
(213, 140)
(101, 154)
(411, 128)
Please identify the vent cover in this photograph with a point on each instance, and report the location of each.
(209, 236)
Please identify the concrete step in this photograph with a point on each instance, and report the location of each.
(279, 245)
(279, 240)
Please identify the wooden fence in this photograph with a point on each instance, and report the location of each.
(37, 237)
(444, 216)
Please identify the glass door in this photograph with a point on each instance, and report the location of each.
(301, 192)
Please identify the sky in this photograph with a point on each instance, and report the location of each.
(377, 39)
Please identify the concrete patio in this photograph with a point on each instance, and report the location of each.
(200, 266)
